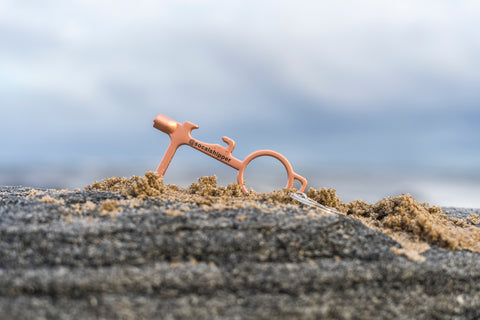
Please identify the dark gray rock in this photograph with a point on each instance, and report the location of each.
(213, 265)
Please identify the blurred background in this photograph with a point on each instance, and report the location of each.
(373, 98)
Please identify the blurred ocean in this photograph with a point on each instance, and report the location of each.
(459, 189)
(372, 98)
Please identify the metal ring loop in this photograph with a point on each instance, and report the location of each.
(260, 153)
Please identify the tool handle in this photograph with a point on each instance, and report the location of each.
(167, 157)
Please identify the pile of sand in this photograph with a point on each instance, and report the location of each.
(414, 225)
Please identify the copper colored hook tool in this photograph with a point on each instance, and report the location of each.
(180, 134)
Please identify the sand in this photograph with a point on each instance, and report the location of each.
(412, 224)
(150, 250)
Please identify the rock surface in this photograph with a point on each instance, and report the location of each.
(153, 261)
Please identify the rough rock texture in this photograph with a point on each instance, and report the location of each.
(70, 255)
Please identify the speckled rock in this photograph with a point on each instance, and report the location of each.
(144, 262)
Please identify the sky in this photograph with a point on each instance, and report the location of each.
(369, 97)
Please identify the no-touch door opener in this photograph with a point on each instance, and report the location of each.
(180, 134)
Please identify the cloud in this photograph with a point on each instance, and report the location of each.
(345, 70)
(345, 55)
